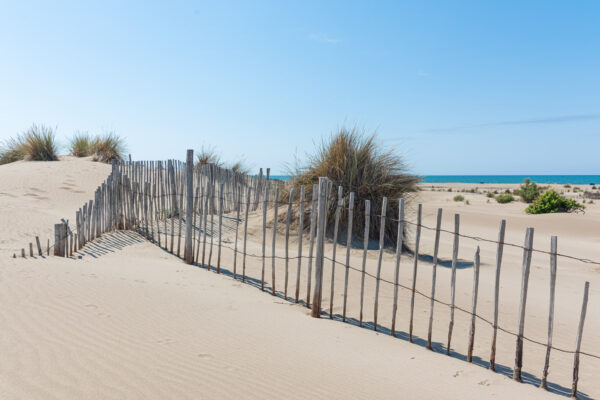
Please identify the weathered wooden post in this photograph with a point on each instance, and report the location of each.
(414, 280)
(379, 259)
(399, 242)
(553, 256)
(453, 280)
(321, 219)
(473, 306)
(523, 303)
(58, 249)
(436, 246)
(586, 290)
(497, 292)
(189, 206)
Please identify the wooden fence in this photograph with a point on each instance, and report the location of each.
(181, 207)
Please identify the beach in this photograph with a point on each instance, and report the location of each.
(126, 319)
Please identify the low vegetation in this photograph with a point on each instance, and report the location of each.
(359, 164)
(529, 191)
(552, 202)
(108, 148)
(459, 197)
(38, 143)
(80, 145)
(505, 198)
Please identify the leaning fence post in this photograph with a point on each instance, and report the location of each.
(579, 336)
(39, 245)
(553, 251)
(527, 249)
(322, 207)
(189, 170)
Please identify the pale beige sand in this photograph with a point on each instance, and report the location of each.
(128, 320)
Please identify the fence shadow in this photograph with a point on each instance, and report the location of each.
(109, 243)
(118, 240)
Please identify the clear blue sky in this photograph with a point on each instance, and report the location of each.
(465, 87)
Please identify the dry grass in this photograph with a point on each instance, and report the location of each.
(38, 143)
(108, 148)
(80, 145)
(208, 155)
(359, 164)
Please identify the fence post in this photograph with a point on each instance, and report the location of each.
(321, 219)
(524, 284)
(189, 205)
(578, 343)
(553, 257)
(57, 234)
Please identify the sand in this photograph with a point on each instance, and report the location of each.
(129, 320)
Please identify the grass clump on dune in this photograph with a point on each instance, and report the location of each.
(359, 164)
(459, 197)
(38, 143)
(80, 145)
(208, 155)
(11, 151)
(505, 198)
(108, 148)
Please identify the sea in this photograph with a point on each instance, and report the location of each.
(546, 179)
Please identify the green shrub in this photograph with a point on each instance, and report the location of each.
(505, 198)
(449, 189)
(552, 202)
(467, 202)
(360, 164)
(529, 191)
(108, 148)
(490, 194)
(458, 197)
(81, 145)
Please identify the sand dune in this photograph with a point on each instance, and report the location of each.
(129, 320)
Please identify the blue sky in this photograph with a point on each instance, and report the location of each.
(465, 87)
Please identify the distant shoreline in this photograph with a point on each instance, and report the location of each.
(508, 179)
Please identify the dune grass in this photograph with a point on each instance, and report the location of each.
(80, 145)
(208, 155)
(38, 143)
(108, 148)
(360, 164)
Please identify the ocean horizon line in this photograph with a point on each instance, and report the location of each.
(508, 179)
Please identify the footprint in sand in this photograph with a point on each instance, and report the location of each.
(485, 383)
(458, 373)
(205, 356)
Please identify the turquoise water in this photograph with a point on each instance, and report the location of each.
(560, 179)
